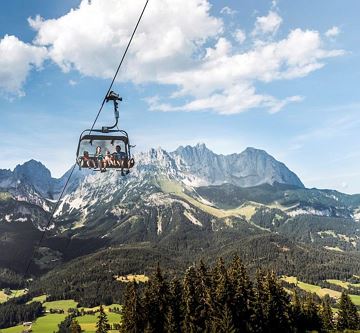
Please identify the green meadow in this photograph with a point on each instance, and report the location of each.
(343, 284)
(48, 323)
(4, 297)
(312, 288)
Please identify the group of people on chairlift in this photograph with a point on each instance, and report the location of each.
(117, 159)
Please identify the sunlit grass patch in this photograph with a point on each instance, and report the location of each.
(246, 210)
(61, 305)
(311, 287)
(133, 277)
(4, 297)
(322, 291)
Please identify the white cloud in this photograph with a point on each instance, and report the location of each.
(169, 49)
(332, 32)
(73, 82)
(236, 99)
(240, 36)
(16, 61)
(225, 82)
(228, 11)
(91, 39)
(267, 24)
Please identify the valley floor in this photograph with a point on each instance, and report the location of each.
(321, 292)
(50, 321)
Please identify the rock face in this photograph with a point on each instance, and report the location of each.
(32, 182)
(252, 167)
(192, 190)
(89, 192)
(195, 166)
(36, 174)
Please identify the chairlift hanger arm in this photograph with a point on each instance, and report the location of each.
(112, 96)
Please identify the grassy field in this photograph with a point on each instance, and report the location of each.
(355, 299)
(15, 329)
(46, 324)
(88, 322)
(247, 210)
(4, 297)
(320, 291)
(49, 322)
(130, 278)
(343, 284)
(106, 308)
(40, 299)
(311, 287)
(61, 305)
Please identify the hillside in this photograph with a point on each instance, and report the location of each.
(188, 204)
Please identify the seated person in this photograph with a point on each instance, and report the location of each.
(109, 159)
(86, 161)
(120, 159)
(118, 154)
(100, 159)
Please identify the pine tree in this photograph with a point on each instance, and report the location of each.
(148, 307)
(102, 325)
(348, 317)
(65, 325)
(261, 299)
(189, 301)
(242, 302)
(278, 305)
(226, 323)
(221, 282)
(204, 297)
(326, 314)
(132, 319)
(222, 295)
(312, 314)
(174, 313)
(75, 327)
(157, 308)
(297, 314)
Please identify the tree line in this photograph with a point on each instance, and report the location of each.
(223, 298)
(18, 310)
(217, 298)
(71, 325)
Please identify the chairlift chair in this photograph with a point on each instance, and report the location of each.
(107, 138)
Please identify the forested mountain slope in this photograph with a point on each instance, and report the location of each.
(190, 203)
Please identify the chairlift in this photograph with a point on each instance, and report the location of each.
(106, 148)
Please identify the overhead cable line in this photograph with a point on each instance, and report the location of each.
(92, 127)
(120, 64)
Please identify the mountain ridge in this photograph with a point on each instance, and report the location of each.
(196, 165)
(189, 199)
(251, 167)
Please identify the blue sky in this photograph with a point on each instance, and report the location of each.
(281, 76)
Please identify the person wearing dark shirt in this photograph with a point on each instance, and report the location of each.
(120, 159)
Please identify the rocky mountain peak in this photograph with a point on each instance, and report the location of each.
(252, 150)
(252, 167)
(32, 168)
(34, 173)
(193, 165)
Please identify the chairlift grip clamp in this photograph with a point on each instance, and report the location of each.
(112, 96)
